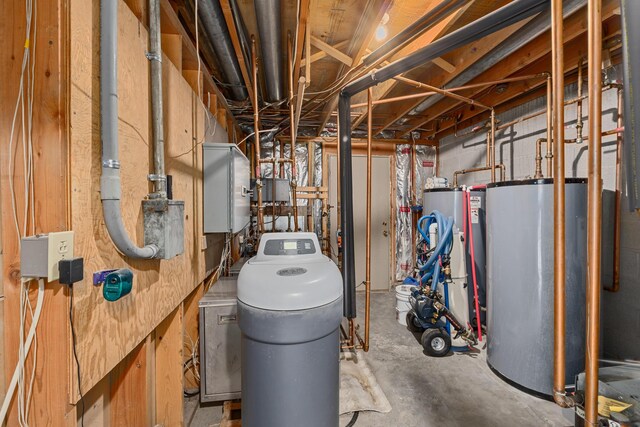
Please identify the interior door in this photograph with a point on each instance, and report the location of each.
(380, 217)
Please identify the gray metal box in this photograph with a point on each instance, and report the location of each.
(34, 255)
(164, 226)
(283, 187)
(226, 188)
(220, 343)
(237, 266)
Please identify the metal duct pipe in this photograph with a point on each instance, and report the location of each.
(501, 18)
(215, 27)
(410, 33)
(110, 189)
(269, 27)
(532, 29)
(631, 63)
(154, 55)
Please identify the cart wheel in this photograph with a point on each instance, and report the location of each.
(412, 322)
(436, 342)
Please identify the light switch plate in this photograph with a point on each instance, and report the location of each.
(60, 247)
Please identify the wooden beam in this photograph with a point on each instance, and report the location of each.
(235, 40)
(382, 90)
(374, 11)
(301, 36)
(169, 17)
(322, 54)
(519, 93)
(445, 65)
(331, 51)
(128, 398)
(52, 388)
(172, 49)
(574, 27)
(464, 58)
(169, 367)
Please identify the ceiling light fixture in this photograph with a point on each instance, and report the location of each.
(381, 31)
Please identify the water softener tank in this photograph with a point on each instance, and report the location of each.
(289, 312)
(450, 202)
(520, 273)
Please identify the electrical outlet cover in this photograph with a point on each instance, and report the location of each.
(60, 247)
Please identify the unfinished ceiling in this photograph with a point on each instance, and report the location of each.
(331, 39)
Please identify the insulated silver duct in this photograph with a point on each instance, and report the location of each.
(215, 27)
(269, 28)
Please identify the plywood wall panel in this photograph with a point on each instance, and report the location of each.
(108, 331)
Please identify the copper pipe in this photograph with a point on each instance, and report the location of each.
(616, 131)
(487, 161)
(367, 279)
(557, 59)
(538, 174)
(453, 89)
(256, 135)
(594, 210)
(480, 169)
(549, 155)
(275, 159)
(281, 172)
(615, 284)
(492, 133)
(441, 92)
(294, 134)
(579, 123)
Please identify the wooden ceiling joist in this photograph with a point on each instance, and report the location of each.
(382, 90)
(322, 54)
(369, 22)
(575, 26)
(331, 51)
(300, 39)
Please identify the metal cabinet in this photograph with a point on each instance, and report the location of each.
(219, 343)
(226, 188)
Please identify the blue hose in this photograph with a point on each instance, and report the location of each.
(445, 242)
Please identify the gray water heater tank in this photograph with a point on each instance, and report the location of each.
(289, 313)
(449, 202)
(520, 273)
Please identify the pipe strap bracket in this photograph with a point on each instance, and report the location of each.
(111, 164)
(153, 56)
(156, 178)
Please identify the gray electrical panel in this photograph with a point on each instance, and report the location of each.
(283, 187)
(220, 369)
(226, 188)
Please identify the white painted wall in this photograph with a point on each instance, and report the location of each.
(515, 147)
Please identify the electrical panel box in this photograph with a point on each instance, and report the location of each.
(226, 188)
(282, 190)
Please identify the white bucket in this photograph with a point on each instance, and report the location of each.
(403, 292)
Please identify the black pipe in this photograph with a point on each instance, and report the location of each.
(407, 35)
(501, 18)
(215, 26)
(630, 15)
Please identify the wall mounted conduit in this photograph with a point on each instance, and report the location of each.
(501, 18)
(110, 189)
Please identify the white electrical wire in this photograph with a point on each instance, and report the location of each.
(25, 346)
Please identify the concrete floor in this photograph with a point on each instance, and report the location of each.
(458, 390)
